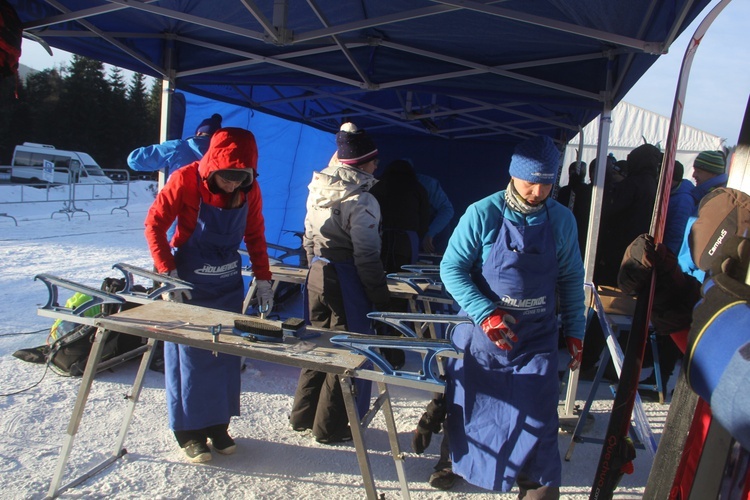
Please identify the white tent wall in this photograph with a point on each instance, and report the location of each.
(632, 125)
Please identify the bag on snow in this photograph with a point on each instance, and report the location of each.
(69, 344)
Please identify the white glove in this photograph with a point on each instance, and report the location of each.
(264, 292)
(176, 295)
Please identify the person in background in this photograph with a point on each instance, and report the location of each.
(405, 210)
(681, 207)
(709, 322)
(176, 153)
(217, 203)
(619, 169)
(509, 260)
(679, 210)
(346, 277)
(709, 173)
(584, 192)
(441, 214)
(566, 196)
(626, 212)
(594, 340)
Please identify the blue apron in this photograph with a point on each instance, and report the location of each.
(202, 389)
(356, 307)
(502, 413)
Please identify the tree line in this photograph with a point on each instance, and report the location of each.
(80, 107)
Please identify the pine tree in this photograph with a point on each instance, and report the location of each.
(39, 107)
(153, 104)
(138, 104)
(84, 116)
(119, 134)
(77, 107)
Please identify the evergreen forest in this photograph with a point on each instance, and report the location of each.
(80, 107)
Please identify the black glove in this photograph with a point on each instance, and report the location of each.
(641, 256)
(429, 424)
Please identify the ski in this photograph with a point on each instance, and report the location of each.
(618, 451)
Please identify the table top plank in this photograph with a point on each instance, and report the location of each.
(190, 325)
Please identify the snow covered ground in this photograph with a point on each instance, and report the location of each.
(272, 461)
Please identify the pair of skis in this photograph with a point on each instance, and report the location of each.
(617, 452)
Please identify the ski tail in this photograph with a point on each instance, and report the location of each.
(608, 474)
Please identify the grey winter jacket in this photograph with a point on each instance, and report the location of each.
(343, 224)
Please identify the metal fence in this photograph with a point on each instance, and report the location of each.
(65, 197)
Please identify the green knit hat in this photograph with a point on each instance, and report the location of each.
(711, 161)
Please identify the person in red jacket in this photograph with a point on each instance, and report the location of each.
(217, 203)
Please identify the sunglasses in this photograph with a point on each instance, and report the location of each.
(235, 175)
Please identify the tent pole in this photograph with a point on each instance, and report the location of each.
(605, 119)
(167, 91)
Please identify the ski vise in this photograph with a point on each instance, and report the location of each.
(166, 283)
(369, 345)
(431, 285)
(399, 320)
(98, 297)
(429, 269)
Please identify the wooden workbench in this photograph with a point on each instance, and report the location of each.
(192, 325)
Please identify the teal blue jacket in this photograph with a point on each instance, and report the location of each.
(477, 231)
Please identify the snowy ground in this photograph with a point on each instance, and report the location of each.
(272, 461)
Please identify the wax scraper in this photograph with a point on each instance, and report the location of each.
(258, 331)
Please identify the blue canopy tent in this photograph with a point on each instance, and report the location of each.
(452, 69)
(451, 84)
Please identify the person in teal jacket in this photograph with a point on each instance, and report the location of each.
(511, 259)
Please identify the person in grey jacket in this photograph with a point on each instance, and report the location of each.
(346, 279)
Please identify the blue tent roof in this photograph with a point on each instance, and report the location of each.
(451, 69)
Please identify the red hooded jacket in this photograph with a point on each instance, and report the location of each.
(180, 199)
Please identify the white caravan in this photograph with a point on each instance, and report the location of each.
(69, 166)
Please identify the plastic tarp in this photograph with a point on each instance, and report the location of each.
(632, 126)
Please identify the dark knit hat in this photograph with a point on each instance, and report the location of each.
(535, 160)
(354, 146)
(711, 161)
(209, 125)
(644, 158)
(679, 171)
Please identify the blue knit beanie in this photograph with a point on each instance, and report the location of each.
(209, 125)
(535, 160)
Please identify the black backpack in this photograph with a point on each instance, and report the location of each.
(68, 354)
